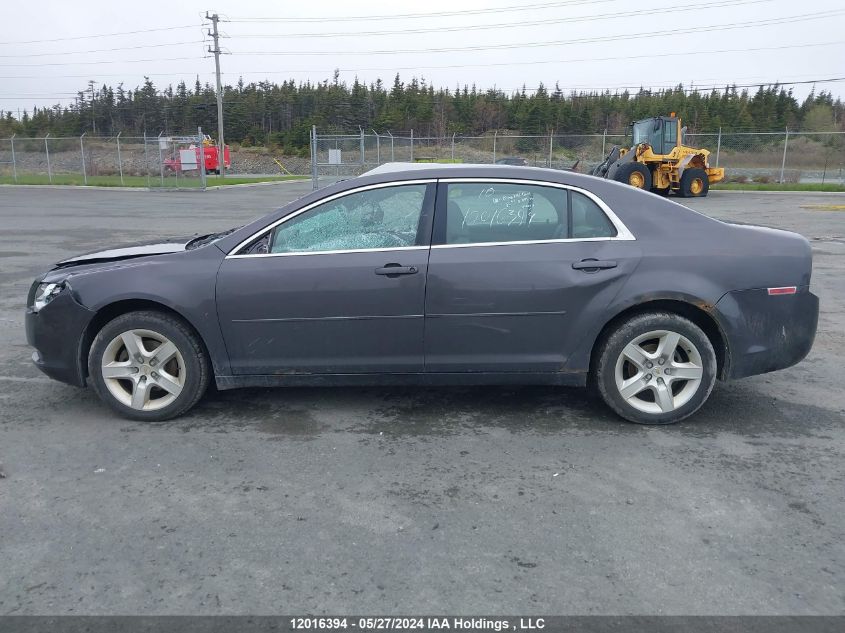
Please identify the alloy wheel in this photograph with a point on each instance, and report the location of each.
(659, 371)
(143, 370)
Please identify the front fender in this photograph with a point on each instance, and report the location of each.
(183, 282)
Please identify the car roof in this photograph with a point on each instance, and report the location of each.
(392, 168)
(391, 172)
(395, 172)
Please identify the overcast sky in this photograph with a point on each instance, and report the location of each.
(582, 44)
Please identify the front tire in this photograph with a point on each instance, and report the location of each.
(148, 366)
(694, 183)
(635, 174)
(655, 368)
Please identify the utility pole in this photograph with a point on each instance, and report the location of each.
(221, 144)
(93, 120)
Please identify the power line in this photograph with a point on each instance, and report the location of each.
(175, 74)
(414, 16)
(106, 50)
(712, 85)
(547, 61)
(716, 27)
(105, 61)
(508, 25)
(570, 60)
(97, 36)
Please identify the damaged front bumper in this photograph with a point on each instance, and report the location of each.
(56, 332)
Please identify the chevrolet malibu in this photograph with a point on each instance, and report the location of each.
(451, 275)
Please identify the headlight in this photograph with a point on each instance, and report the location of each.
(45, 293)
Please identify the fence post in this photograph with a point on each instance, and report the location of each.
(47, 149)
(378, 148)
(119, 160)
(718, 145)
(161, 159)
(551, 140)
(147, 161)
(412, 145)
(603, 142)
(314, 157)
(14, 164)
(82, 151)
(201, 152)
(453, 146)
(783, 162)
(392, 156)
(495, 138)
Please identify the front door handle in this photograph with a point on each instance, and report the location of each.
(392, 270)
(594, 265)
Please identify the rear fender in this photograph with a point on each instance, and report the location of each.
(592, 329)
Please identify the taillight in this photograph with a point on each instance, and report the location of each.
(783, 290)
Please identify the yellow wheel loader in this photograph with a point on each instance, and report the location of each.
(659, 161)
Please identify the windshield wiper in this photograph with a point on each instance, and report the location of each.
(202, 240)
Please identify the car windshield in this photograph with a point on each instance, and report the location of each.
(643, 131)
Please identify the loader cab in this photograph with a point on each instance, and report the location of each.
(660, 132)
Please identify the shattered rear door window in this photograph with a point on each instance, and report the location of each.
(387, 217)
(504, 212)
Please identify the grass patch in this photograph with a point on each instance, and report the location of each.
(777, 186)
(215, 181)
(139, 181)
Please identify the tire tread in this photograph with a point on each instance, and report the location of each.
(607, 363)
(198, 350)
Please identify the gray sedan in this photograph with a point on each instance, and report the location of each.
(441, 275)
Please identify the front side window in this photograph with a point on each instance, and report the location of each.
(478, 213)
(387, 217)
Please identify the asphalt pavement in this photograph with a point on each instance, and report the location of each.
(527, 500)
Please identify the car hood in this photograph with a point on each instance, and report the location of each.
(158, 247)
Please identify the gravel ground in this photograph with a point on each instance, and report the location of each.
(470, 500)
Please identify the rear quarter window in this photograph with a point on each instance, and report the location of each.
(588, 220)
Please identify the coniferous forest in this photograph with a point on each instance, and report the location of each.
(281, 115)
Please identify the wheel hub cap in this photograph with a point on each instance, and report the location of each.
(659, 372)
(143, 370)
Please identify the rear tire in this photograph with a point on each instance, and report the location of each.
(634, 174)
(148, 366)
(655, 368)
(694, 183)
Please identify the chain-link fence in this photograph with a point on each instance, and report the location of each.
(746, 156)
(173, 162)
(164, 161)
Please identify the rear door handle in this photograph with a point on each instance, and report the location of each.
(593, 265)
(396, 269)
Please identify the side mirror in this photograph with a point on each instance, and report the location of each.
(658, 123)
